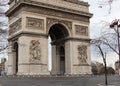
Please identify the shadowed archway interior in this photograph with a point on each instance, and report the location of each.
(16, 56)
(57, 34)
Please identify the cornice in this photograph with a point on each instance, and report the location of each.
(81, 65)
(25, 33)
(87, 40)
(77, 2)
(21, 3)
(32, 64)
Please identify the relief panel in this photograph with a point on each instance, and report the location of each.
(35, 23)
(82, 54)
(81, 30)
(35, 51)
(16, 26)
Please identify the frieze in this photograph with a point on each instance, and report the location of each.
(77, 2)
(82, 54)
(77, 8)
(51, 21)
(56, 13)
(64, 13)
(35, 23)
(14, 27)
(32, 64)
(35, 51)
(81, 30)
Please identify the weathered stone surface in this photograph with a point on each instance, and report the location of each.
(33, 21)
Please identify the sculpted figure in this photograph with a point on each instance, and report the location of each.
(82, 54)
(35, 52)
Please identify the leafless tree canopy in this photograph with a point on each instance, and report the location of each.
(103, 3)
(3, 25)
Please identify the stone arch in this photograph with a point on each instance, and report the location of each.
(58, 29)
(67, 26)
(58, 34)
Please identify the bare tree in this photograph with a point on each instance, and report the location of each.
(103, 3)
(110, 39)
(3, 26)
(111, 36)
(102, 50)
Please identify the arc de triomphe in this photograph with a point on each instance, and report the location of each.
(31, 22)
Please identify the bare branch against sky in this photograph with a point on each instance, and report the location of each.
(102, 3)
(3, 24)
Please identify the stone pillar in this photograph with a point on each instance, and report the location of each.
(68, 57)
(81, 58)
(54, 60)
(57, 60)
(33, 56)
(11, 61)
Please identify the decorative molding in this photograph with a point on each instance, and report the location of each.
(81, 65)
(51, 10)
(52, 21)
(25, 33)
(81, 30)
(16, 26)
(57, 13)
(35, 51)
(31, 64)
(85, 40)
(35, 23)
(77, 2)
(82, 54)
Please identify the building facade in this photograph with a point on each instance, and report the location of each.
(31, 22)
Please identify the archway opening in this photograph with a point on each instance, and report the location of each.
(16, 57)
(58, 33)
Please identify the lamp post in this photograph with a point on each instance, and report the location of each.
(116, 25)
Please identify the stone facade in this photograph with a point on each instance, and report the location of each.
(33, 21)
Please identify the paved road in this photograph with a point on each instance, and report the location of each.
(58, 81)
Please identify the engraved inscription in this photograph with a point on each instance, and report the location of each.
(81, 30)
(35, 51)
(15, 26)
(35, 23)
(82, 54)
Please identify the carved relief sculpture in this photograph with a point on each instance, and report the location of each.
(35, 51)
(51, 21)
(15, 26)
(82, 54)
(35, 23)
(81, 30)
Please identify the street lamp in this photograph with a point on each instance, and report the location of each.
(116, 25)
